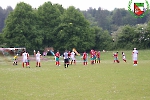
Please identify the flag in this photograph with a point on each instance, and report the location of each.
(52, 53)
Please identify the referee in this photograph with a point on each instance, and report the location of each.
(66, 59)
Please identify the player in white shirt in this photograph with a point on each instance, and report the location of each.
(135, 56)
(38, 59)
(73, 59)
(66, 59)
(24, 59)
(124, 57)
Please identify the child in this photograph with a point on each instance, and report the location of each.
(15, 59)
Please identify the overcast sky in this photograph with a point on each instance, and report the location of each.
(81, 4)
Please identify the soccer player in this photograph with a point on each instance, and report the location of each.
(38, 59)
(92, 56)
(124, 57)
(24, 56)
(84, 58)
(73, 58)
(69, 56)
(116, 57)
(66, 59)
(98, 57)
(15, 59)
(28, 61)
(95, 53)
(135, 56)
(57, 56)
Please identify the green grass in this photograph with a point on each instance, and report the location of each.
(105, 81)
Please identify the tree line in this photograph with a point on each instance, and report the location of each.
(3, 15)
(51, 25)
(111, 20)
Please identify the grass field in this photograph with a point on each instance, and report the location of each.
(104, 81)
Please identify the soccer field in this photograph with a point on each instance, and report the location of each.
(104, 81)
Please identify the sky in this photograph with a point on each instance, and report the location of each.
(81, 4)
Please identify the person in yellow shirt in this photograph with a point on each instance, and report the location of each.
(15, 59)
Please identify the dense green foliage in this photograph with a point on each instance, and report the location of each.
(3, 15)
(20, 29)
(110, 20)
(74, 31)
(53, 26)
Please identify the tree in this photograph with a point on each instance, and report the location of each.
(103, 40)
(48, 20)
(126, 38)
(74, 31)
(2, 18)
(89, 17)
(1, 38)
(128, 19)
(102, 18)
(92, 11)
(7, 11)
(117, 17)
(60, 8)
(147, 36)
(20, 30)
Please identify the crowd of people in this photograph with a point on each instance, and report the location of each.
(70, 58)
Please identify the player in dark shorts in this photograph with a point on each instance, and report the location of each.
(66, 59)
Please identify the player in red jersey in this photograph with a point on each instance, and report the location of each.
(69, 56)
(98, 57)
(116, 57)
(28, 61)
(84, 58)
(57, 56)
(92, 56)
(91, 52)
(95, 53)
